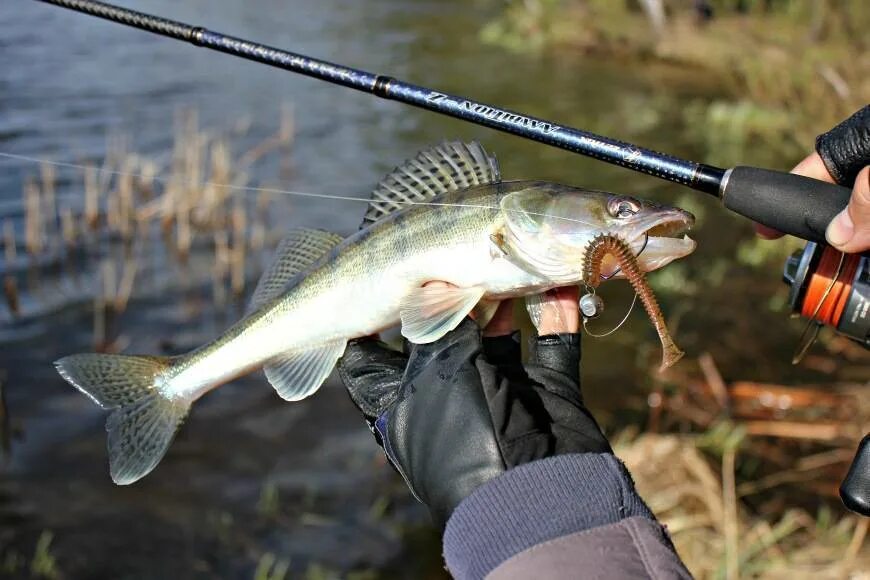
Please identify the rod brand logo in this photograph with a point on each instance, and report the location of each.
(496, 114)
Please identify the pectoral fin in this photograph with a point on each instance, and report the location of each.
(429, 313)
(297, 374)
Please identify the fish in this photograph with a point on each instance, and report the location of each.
(444, 215)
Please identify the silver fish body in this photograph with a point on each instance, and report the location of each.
(489, 241)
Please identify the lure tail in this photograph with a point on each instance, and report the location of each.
(143, 421)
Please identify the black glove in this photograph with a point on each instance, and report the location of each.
(845, 149)
(462, 410)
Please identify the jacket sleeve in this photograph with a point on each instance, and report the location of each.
(569, 516)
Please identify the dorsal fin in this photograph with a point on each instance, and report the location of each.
(298, 250)
(450, 166)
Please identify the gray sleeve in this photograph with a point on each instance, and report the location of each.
(585, 501)
(635, 547)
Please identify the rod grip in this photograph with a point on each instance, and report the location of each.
(855, 489)
(792, 204)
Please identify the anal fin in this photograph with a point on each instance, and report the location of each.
(299, 373)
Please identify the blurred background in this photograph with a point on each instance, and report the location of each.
(131, 249)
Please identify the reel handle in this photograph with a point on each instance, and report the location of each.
(855, 489)
(792, 204)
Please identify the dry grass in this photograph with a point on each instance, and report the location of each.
(748, 488)
(719, 536)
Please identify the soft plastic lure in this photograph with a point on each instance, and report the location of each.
(608, 244)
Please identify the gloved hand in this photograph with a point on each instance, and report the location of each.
(458, 412)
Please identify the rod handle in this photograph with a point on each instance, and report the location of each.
(855, 489)
(792, 204)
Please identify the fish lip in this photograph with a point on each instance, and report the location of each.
(673, 223)
(661, 238)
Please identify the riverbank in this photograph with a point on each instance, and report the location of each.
(784, 75)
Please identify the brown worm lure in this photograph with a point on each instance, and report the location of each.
(605, 244)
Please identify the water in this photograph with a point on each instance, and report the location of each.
(67, 81)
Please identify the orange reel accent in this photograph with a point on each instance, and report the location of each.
(830, 311)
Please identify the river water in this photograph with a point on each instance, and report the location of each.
(250, 477)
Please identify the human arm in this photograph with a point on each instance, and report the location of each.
(506, 456)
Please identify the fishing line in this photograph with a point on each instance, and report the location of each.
(166, 181)
(617, 327)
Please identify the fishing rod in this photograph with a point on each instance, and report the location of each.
(792, 204)
(789, 203)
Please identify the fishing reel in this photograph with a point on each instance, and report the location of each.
(830, 288)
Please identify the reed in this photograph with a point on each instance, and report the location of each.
(10, 254)
(33, 224)
(127, 197)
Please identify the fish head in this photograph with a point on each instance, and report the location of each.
(548, 228)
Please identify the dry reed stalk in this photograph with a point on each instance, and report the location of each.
(49, 198)
(239, 221)
(858, 537)
(125, 199)
(92, 198)
(714, 379)
(145, 182)
(167, 203)
(213, 195)
(183, 232)
(10, 291)
(68, 227)
(264, 204)
(125, 286)
(113, 212)
(101, 304)
(110, 288)
(258, 237)
(795, 430)
(220, 267)
(10, 283)
(785, 397)
(113, 151)
(33, 218)
(282, 139)
(99, 323)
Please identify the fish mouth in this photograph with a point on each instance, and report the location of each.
(664, 240)
(657, 241)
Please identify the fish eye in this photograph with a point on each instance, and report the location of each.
(622, 207)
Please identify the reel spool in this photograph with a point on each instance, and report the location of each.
(829, 288)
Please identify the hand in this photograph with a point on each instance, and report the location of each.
(842, 156)
(459, 412)
(849, 231)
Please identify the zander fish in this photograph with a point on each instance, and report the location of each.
(443, 215)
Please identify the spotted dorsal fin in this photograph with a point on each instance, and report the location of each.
(296, 252)
(450, 166)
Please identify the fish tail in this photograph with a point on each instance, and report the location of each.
(143, 421)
